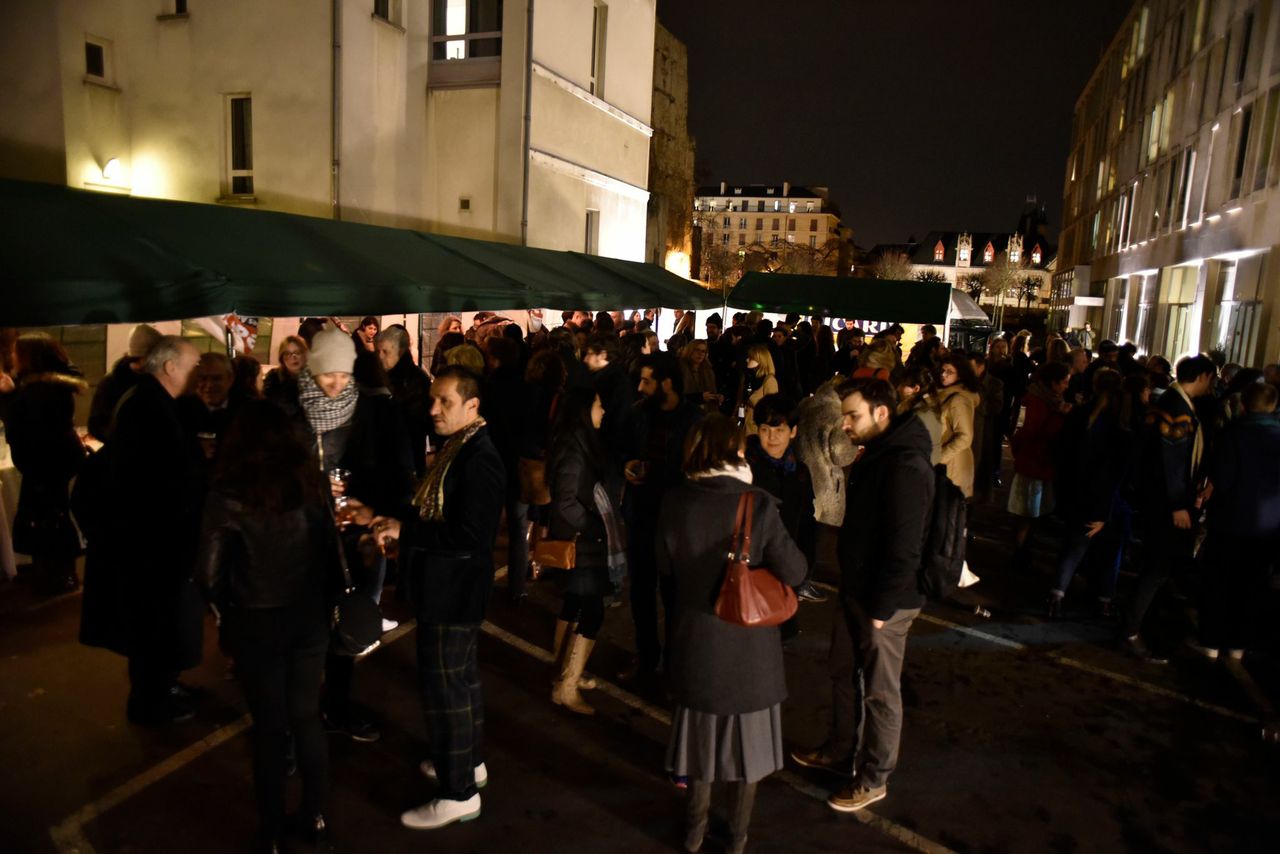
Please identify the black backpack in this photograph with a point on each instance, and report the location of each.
(943, 558)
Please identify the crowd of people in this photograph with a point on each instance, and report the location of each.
(617, 466)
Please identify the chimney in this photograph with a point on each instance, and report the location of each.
(786, 189)
(723, 187)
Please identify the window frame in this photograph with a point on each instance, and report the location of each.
(108, 76)
(233, 173)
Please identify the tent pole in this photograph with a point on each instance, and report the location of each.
(528, 121)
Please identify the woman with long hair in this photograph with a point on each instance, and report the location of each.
(1099, 449)
(761, 380)
(1031, 494)
(958, 397)
(445, 343)
(916, 388)
(281, 385)
(38, 417)
(585, 495)
(267, 560)
(699, 376)
(729, 681)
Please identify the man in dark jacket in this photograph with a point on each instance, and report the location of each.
(1243, 522)
(453, 525)
(506, 420)
(987, 438)
(410, 388)
(1173, 496)
(887, 510)
(124, 375)
(656, 428)
(208, 410)
(156, 487)
(609, 379)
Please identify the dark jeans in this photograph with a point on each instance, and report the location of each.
(866, 675)
(453, 706)
(150, 681)
(646, 585)
(1104, 550)
(280, 659)
(1169, 552)
(586, 611)
(517, 546)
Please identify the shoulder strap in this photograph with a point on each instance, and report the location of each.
(749, 498)
(735, 539)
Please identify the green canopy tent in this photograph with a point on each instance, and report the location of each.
(861, 299)
(77, 257)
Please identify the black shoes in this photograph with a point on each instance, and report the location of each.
(353, 726)
(311, 830)
(807, 592)
(171, 710)
(1054, 611)
(1137, 649)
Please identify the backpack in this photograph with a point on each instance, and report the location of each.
(943, 558)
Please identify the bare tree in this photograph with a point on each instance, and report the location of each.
(930, 276)
(974, 284)
(893, 265)
(1028, 288)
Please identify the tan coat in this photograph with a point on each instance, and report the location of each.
(956, 406)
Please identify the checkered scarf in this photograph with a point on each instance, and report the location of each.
(326, 413)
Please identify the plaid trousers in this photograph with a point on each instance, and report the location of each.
(451, 701)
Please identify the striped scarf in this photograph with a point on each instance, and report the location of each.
(326, 413)
(430, 497)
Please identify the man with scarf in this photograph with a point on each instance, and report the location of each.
(451, 529)
(1173, 496)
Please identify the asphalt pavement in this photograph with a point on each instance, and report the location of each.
(1021, 734)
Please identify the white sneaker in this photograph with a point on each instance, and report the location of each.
(388, 625)
(1208, 652)
(1236, 654)
(429, 771)
(440, 812)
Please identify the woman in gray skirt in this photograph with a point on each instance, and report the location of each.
(728, 680)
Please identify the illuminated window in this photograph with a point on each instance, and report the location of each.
(939, 252)
(1035, 255)
(988, 254)
(466, 29)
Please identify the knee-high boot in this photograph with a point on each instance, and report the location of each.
(699, 808)
(744, 798)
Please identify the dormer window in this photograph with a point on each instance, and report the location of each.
(939, 252)
(1036, 256)
(777, 205)
(988, 254)
(1014, 255)
(964, 256)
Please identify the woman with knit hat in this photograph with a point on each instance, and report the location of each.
(362, 436)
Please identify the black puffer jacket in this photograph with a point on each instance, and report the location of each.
(572, 474)
(250, 559)
(887, 515)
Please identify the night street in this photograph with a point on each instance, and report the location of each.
(1020, 735)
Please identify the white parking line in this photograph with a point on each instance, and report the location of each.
(907, 837)
(68, 834)
(1076, 664)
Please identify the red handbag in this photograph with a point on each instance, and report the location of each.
(751, 596)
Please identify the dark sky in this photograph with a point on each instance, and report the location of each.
(918, 114)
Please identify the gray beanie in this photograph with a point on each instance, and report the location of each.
(332, 352)
(141, 340)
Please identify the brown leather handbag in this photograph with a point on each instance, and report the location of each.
(555, 554)
(751, 596)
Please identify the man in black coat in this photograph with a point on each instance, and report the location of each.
(453, 527)
(887, 513)
(156, 488)
(656, 428)
(609, 379)
(123, 376)
(1171, 466)
(507, 421)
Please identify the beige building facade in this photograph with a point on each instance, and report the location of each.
(770, 215)
(1171, 221)
(394, 112)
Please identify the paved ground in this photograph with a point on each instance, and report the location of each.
(1021, 735)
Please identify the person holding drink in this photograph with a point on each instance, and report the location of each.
(450, 529)
(361, 443)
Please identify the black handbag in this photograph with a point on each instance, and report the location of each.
(357, 619)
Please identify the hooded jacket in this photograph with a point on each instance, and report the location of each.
(886, 518)
(823, 447)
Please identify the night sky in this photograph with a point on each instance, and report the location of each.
(918, 115)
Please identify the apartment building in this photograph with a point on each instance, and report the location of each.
(1170, 226)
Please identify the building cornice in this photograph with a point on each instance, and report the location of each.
(590, 176)
(599, 103)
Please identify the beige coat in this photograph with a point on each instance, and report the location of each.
(956, 406)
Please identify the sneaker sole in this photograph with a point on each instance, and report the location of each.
(844, 808)
(462, 819)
